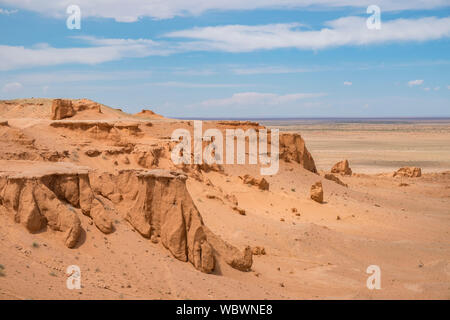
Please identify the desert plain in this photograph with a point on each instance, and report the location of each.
(89, 185)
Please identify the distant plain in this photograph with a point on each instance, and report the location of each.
(374, 145)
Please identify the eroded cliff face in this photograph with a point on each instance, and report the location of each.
(155, 202)
(293, 148)
(39, 194)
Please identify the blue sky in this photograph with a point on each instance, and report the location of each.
(265, 58)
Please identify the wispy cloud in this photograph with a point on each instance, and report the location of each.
(103, 50)
(12, 87)
(230, 38)
(132, 10)
(7, 12)
(269, 70)
(258, 98)
(69, 76)
(194, 72)
(415, 83)
(347, 31)
(195, 85)
(347, 83)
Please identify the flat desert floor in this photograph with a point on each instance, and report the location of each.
(375, 146)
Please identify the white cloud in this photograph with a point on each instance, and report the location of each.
(12, 87)
(257, 98)
(347, 83)
(426, 89)
(194, 85)
(193, 72)
(103, 50)
(67, 76)
(437, 88)
(415, 83)
(229, 38)
(269, 70)
(132, 10)
(7, 12)
(341, 32)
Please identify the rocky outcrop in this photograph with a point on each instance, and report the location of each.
(332, 177)
(317, 192)
(232, 198)
(149, 158)
(62, 109)
(14, 136)
(229, 254)
(239, 123)
(238, 210)
(40, 194)
(145, 113)
(261, 183)
(342, 167)
(409, 172)
(293, 149)
(157, 204)
(258, 251)
(86, 104)
(114, 131)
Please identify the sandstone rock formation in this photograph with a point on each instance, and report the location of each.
(409, 172)
(149, 158)
(342, 167)
(238, 210)
(117, 132)
(145, 113)
(258, 251)
(232, 198)
(231, 255)
(62, 109)
(86, 104)
(293, 148)
(157, 204)
(261, 183)
(317, 192)
(332, 177)
(40, 194)
(239, 123)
